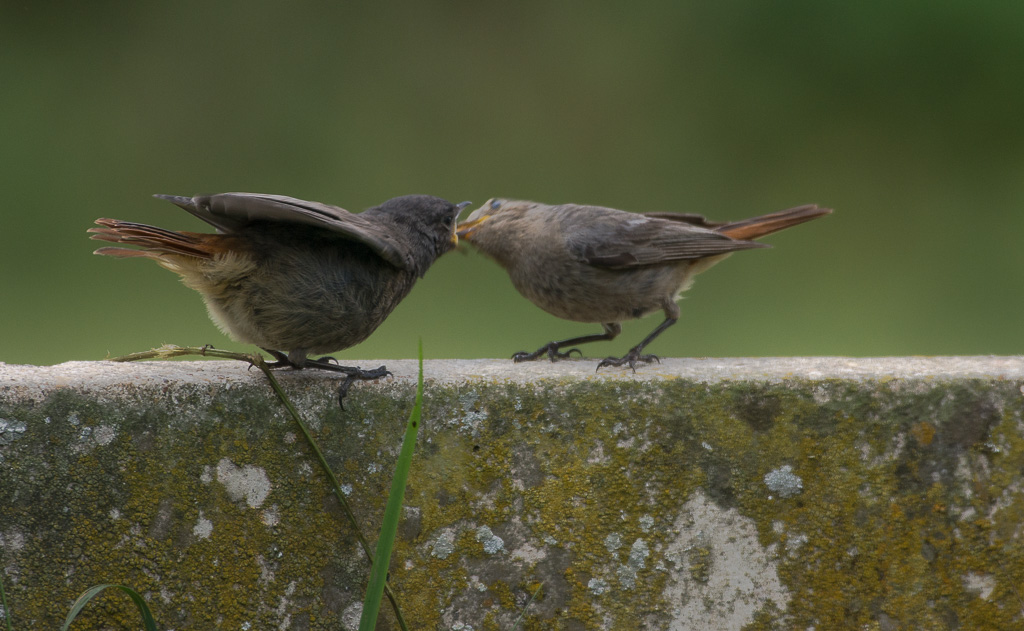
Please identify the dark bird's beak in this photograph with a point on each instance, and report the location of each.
(458, 210)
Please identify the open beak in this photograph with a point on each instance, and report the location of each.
(466, 228)
(458, 211)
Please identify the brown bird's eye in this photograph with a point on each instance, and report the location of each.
(496, 204)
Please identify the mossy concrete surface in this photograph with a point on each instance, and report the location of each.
(799, 493)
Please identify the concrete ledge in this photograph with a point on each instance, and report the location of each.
(695, 494)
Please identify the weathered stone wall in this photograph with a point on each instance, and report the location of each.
(819, 493)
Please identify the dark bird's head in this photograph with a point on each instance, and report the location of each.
(425, 223)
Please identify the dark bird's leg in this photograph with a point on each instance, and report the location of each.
(634, 356)
(360, 374)
(551, 349)
(282, 360)
(352, 373)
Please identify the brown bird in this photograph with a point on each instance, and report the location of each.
(296, 277)
(594, 264)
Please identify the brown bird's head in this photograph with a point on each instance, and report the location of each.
(494, 212)
(466, 228)
(501, 227)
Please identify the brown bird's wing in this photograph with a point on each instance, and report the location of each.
(691, 218)
(230, 212)
(618, 240)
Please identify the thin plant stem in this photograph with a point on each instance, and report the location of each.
(3, 601)
(169, 350)
(522, 614)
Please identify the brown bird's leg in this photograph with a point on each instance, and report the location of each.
(352, 373)
(611, 329)
(634, 356)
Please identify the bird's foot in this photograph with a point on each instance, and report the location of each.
(281, 360)
(354, 374)
(629, 359)
(550, 349)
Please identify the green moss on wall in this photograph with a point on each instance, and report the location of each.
(902, 503)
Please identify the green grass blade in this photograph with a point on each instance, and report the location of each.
(392, 513)
(92, 592)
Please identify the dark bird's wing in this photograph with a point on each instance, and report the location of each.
(229, 212)
(617, 240)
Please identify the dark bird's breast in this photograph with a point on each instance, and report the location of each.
(308, 291)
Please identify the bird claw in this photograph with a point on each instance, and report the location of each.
(550, 349)
(353, 374)
(630, 359)
(281, 360)
(376, 373)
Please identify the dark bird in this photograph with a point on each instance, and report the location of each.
(294, 277)
(594, 264)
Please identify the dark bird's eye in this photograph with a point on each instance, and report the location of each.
(496, 204)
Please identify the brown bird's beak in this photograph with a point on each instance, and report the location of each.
(466, 228)
(458, 211)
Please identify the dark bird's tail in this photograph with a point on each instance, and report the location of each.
(155, 242)
(757, 227)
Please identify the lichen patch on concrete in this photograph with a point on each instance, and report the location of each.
(248, 482)
(752, 494)
(724, 574)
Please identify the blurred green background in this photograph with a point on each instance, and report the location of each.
(907, 118)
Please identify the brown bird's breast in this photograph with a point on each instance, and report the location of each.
(573, 290)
